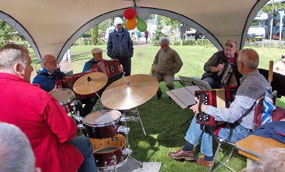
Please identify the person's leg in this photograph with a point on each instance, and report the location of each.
(126, 63)
(239, 133)
(169, 81)
(207, 143)
(194, 132)
(159, 79)
(211, 82)
(192, 137)
(68, 55)
(84, 146)
(89, 104)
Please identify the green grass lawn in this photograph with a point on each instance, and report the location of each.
(163, 119)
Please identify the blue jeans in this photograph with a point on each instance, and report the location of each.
(195, 132)
(84, 146)
(212, 82)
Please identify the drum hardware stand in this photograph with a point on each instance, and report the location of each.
(99, 98)
(135, 118)
(128, 151)
(78, 118)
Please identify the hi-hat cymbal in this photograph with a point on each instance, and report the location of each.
(90, 83)
(129, 92)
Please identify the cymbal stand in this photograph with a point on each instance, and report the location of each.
(128, 150)
(99, 98)
(77, 117)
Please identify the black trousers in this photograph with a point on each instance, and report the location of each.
(127, 65)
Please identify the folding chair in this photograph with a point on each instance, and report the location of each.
(277, 115)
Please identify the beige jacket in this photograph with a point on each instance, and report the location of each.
(168, 61)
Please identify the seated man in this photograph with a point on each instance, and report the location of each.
(47, 126)
(167, 62)
(253, 86)
(16, 152)
(97, 57)
(48, 76)
(215, 65)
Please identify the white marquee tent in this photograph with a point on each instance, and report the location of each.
(51, 26)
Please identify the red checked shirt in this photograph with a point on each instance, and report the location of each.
(44, 122)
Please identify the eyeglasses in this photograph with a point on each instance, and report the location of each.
(231, 45)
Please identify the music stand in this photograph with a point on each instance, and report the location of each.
(190, 81)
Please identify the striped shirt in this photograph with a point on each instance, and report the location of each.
(253, 86)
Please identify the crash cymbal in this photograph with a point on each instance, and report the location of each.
(90, 83)
(129, 92)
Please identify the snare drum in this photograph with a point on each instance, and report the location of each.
(64, 96)
(109, 152)
(102, 124)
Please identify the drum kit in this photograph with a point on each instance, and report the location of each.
(107, 129)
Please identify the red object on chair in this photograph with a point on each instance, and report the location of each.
(277, 114)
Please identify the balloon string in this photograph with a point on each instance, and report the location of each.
(135, 4)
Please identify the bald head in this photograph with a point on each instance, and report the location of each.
(49, 62)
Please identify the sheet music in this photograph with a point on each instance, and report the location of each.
(184, 96)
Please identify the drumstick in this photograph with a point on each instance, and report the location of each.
(270, 72)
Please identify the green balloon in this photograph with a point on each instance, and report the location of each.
(141, 24)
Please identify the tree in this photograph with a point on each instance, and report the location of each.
(158, 34)
(7, 33)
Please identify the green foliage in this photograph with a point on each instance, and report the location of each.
(158, 34)
(7, 33)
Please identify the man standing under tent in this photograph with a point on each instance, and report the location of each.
(120, 46)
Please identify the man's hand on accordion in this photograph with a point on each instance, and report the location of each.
(195, 108)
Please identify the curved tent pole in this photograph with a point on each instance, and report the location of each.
(84, 28)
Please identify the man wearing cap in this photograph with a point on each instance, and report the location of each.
(120, 46)
(279, 67)
(97, 57)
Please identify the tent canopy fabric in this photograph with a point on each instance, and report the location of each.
(51, 26)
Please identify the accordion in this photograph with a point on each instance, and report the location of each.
(110, 67)
(214, 97)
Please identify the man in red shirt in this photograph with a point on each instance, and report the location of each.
(50, 131)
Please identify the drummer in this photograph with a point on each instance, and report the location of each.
(48, 76)
(97, 57)
(47, 126)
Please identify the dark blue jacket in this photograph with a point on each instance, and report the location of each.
(120, 45)
(275, 130)
(48, 80)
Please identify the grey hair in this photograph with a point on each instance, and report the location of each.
(164, 40)
(16, 154)
(250, 58)
(10, 54)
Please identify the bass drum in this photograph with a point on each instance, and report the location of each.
(109, 152)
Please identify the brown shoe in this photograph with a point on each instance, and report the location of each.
(201, 161)
(182, 155)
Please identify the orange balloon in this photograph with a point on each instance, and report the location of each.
(131, 24)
